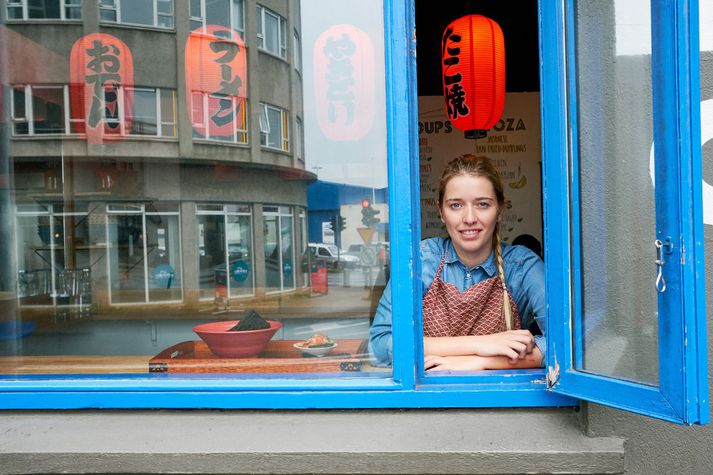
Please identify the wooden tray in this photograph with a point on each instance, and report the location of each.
(278, 357)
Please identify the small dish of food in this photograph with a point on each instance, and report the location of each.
(317, 345)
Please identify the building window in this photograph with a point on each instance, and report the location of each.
(304, 249)
(279, 248)
(154, 112)
(155, 13)
(273, 128)
(40, 110)
(299, 144)
(45, 110)
(208, 125)
(225, 251)
(227, 13)
(144, 262)
(271, 32)
(44, 9)
(297, 52)
(54, 265)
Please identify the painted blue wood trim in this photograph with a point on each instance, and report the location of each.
(486, 377)
(682, 345)
(525, 395)
(572, 108)
(555, 183)
(668, 182)
(503, 379)
(404, 220)
(693, 279)
(629, 396)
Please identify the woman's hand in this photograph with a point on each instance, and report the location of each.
(454, 363)
(514, 345)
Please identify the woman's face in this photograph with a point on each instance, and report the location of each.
(470, 212)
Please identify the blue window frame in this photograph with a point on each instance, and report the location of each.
(678, 392)
(408, 386)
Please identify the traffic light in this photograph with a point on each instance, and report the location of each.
(333, 223)
(368, 214)
(342, 223)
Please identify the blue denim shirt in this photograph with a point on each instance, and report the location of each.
(524, 276)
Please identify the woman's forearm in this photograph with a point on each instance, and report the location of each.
(531, 360)
(450, 345)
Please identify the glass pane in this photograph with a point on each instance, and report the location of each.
(195, 7)
(127, 266)
(240, 256)
(217, 12)
(274, 118)
(287, 248)
(139, 12)
(165, 7)
(34, 259)
(73, 13)
(48, 110)
(211, 256)
(239, 17)
(273, 281)
(43, 8)
(14, 12)
(107, 15)
(271, 33)
(137, 234)
(144, 118)
(164, 258)
(614, 111)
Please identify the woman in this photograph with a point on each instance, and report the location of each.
(480, 298)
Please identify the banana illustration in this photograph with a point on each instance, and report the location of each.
(521, 182)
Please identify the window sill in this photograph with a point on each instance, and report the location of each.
(468, 441)
(108, 138)
(286, 153)
(220, 142)
(49, 21)
(131, 26)
(273, 55)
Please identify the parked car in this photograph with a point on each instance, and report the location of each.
(370, 255)
(331, 257)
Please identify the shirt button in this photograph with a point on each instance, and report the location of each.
(468, 275)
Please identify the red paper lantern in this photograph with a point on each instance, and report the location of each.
(100, 65)
(344, 82)
(216, 72)
(473, 61)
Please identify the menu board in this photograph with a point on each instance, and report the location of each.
(513, 145)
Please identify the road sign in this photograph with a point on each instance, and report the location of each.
(366, 234)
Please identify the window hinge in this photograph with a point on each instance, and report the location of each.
(553, 375)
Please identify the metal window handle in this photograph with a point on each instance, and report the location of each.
(660, 245)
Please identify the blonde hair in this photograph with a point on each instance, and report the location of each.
(482, 166)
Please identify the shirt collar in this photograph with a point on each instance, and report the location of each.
(489, 266)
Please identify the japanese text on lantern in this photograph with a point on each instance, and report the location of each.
(105, 64)
(344, 83)
(340, 77)
(101, 78)
(215, 71)
(453, 90)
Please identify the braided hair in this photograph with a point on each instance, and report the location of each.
(482, 166)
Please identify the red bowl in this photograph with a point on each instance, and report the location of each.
(246, 344)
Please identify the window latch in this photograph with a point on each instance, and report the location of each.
(661, 248)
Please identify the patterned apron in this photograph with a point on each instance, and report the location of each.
(478, 311)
